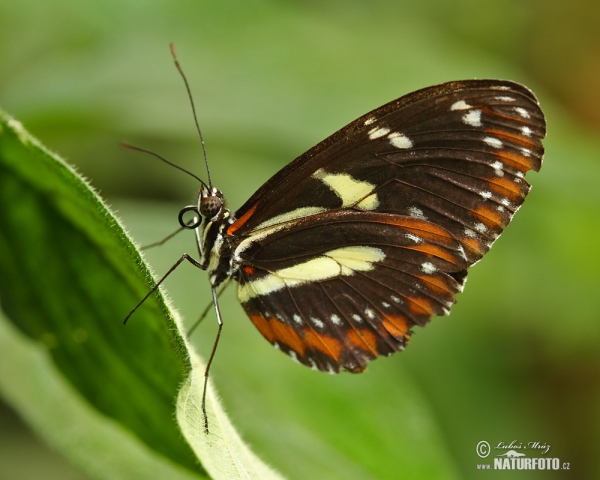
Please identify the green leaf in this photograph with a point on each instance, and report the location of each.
(37, 388)
(225, 454)
(68, 276)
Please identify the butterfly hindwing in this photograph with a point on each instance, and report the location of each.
(338, 289)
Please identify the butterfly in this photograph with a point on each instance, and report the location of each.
(371, 232)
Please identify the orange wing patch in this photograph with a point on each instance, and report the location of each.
(422, 228)
(420, 306)
(396, 326)
(436, 283)
(434, 251)
(505, 187)
(241, 221)
(473, 244)
(519, 139)
(515, 160)
(489, 217)
(362, 337)
(324, 343)
(276, 331)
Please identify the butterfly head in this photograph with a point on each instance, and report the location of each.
(211, 203)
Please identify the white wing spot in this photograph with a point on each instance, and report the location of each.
(414, 238)
(278, 223)
(526, 131)
(498, 168)
(357, 318)
(276, 345)
(370, 120)
(385, 304)
(485, 194)
(318, 323)
(526, 152)
(505, 99)
(428, 267)
(416, 212)
(520, 174)
(378, 132)
(399, 140)
(335, 319)
(294, 356)
(470, 233)
(505, 202)
(369, 203)
(460, 105)
(480, 227)
(500, 208)
(343, 261)
(521, 111)
(313, 365)
(472, 118)
(396, 299)
(369, 313)
(297, 318)
(349, 189)
(493, 142)
(330, 370)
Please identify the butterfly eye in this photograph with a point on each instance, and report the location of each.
(210, 206)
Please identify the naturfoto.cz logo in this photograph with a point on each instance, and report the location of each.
(512, 459)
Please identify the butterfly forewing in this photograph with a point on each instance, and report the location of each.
(435, 153)
(371, 231)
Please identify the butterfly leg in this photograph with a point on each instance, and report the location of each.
(185, 256)
(212, 355)
(205, 311)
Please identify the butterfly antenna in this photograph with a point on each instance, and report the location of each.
(189, 92)
(128, 146)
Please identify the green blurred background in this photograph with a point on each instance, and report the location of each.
(519, 358)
